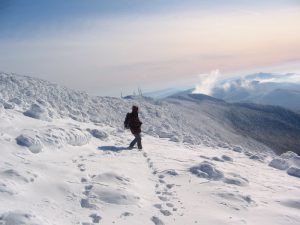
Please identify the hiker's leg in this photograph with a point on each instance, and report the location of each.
(133, 142)
(139, 141)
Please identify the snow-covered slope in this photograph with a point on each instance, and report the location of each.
(99, 181)
(274, 126)
(46, 101)
(64, 160)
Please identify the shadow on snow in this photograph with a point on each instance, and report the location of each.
(112, 148)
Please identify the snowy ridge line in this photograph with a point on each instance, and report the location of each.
(45, 101)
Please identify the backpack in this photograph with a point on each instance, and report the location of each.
(127, 121)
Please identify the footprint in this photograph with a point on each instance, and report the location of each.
(162, 198)
(83, 180)
(125, 214)
(86, 204)
(165, 212)
(170, 186)
(157, 221)
(88, 187)
(158, 206)
(161, 181)
(96, 218)
(167, 193)
(170, 205)
(81, 167)
(161, 176)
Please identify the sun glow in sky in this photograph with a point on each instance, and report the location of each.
(108, 47)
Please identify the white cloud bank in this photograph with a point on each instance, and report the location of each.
(207, 82)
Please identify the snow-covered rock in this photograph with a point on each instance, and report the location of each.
(37, 111)
(227, 158)
(293, 171)
(281, 164)
(237, 149)
(8, 105)
(98, 133)
(207, 170)
(291, 157)
(34, 144)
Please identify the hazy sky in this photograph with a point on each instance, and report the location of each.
(111, 46)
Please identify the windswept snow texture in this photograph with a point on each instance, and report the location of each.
(68, 162)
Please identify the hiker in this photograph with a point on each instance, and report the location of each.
(133, 122)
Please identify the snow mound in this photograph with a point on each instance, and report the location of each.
(34, 144)
(287, 161)
(117, 197)
(98, 133)
(17, 177)
(235, 201)
(237, 149)
(280, 164)
(8, 105)
(52, 136)
(215, 158)
(292, 157)
(36, 111)
(207, 171)
(235, 179)
(293, 171)
(17, 217)
(110, 177)
(227, 158)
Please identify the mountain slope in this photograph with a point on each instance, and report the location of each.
(64, 160)
(97, 180)
(43, 100)
(276, 127)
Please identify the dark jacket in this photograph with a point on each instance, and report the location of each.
(135, 123)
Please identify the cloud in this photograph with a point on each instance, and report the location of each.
(249, 82)
(207, 82)
(284, 78)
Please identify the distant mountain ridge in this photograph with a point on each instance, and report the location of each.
(274, 126)
(261, 88)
